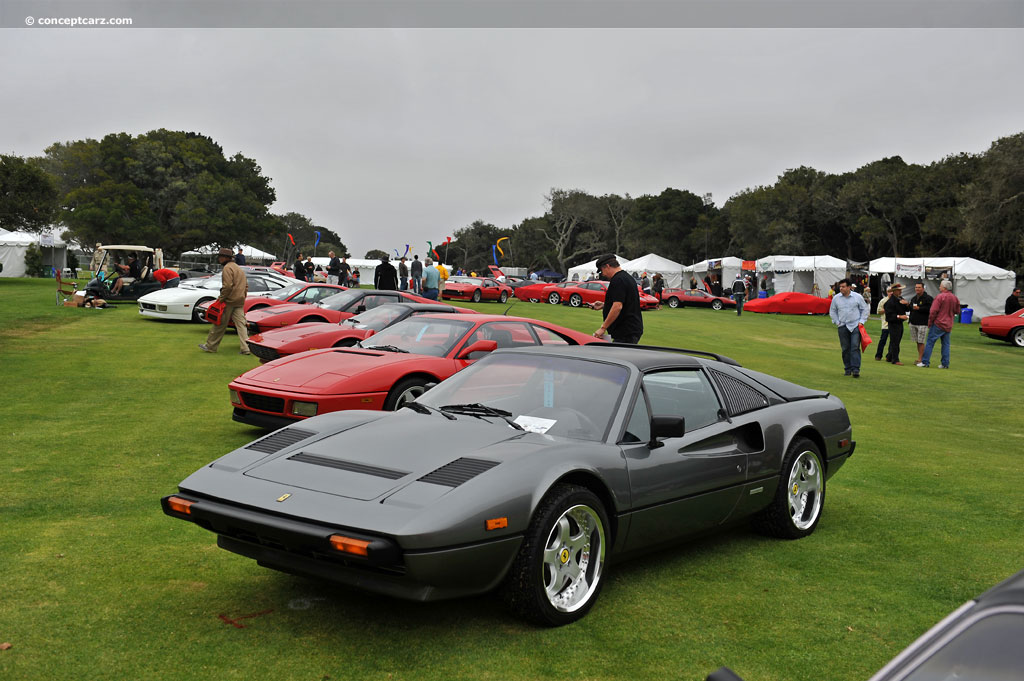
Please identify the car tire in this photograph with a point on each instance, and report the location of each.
(558, 573)
(305, 320)
(534, 300)
(673, 302)
(1017, 337)
(554, 299)
(716, 305)
(795, 510)
(504, 296)
(195, 309)
(406, 390)
(476, 296)
(575, 300)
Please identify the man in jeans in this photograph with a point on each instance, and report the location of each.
(416, 270)
(403, 275)
(944, 310)
(848, 311)
(431, 280)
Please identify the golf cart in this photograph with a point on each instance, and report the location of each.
(105, 272)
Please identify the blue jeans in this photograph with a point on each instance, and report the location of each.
(849, 341)
(403, 283)
(934, 334)
(430, 293)
(416, 283)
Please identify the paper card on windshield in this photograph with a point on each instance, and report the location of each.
(535, 424)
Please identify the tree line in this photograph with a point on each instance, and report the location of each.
(179, 191)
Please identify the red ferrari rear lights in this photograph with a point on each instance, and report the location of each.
(179, 505)
(357, 547)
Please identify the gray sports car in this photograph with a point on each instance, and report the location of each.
(526, 473)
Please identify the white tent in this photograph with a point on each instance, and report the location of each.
(727, 269)
(248, 251)
(587, 270)
(671, 272)
(14, 244)
(813, 274)
(979, 285)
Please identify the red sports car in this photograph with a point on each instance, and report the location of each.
(277, 343)
(681, 297)
(790, 303)
(299, 292)
(475, 289)
(1007, 327)
(532, 293)
(340, 306)
(578, 293)
(387, 370)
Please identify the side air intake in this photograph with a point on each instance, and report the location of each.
(739, 397)
(351, 466)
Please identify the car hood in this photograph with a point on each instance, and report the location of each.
(320, 370)
(372, 459)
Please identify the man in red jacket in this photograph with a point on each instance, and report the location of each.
(944, 310)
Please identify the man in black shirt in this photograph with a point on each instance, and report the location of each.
(1013, 302)
(333, 268)
(416, 272)
(299, 268)
(346, 272)
(920, 306)
(621, 306)
(385, 277)
(895, 314)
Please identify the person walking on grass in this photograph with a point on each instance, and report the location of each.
(920, 306)
(944, 310)
(233, 289)
(848, 311)
(880, 349)
(621, 305)
(895, 314)
(739, 292)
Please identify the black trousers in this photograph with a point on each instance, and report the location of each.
(895, 336)
(881, 343)
(632, 340)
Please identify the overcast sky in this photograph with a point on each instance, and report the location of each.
(391, 137)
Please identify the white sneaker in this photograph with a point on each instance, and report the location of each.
(921, 364)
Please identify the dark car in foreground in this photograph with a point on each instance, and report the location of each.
(527, 473)
(980, 641)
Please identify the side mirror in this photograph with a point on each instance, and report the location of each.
(665, 426)
(478, 346)
(360, 309)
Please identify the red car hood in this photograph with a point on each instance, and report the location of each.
(309, 332)
(321, 370)
(274, 310)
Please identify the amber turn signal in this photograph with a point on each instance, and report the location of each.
(497, 523)
(349, 545)
(179, 505)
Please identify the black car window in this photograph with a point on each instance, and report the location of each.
(639, 427)
(548, 337)
(685, 393)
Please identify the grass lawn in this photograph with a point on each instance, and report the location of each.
(105, 411)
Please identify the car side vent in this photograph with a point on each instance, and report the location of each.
(275, 442)
(739, 397)
(458, 472)
(351, 466)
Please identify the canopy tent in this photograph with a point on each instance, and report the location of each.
(250, 252)
(979, 285)
(726, 268)
(813, 274)
(671, 272)
(587, 270)
(14, 244)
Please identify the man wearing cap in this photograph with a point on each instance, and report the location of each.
(739, 292)
(233, 289)
(895, 314)
(848, 311)
(621, 305)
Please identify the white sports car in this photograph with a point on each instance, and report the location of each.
(180, 302)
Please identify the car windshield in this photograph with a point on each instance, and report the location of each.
(340, 301)
(212, 282)
(463, 280)
(421, 335)
(286, 292)
(561, 397)
(377, 318)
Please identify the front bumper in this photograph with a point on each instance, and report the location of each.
(301, 547)
(273, 409)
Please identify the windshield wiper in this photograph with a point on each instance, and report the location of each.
(424, 409)
(481, 410)
(385, 348)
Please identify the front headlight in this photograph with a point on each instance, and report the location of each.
(235, 399)
(304, 408)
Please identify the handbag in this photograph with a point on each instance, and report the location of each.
(215, 312)
(865, 339)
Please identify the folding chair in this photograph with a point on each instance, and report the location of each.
(64, 287)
